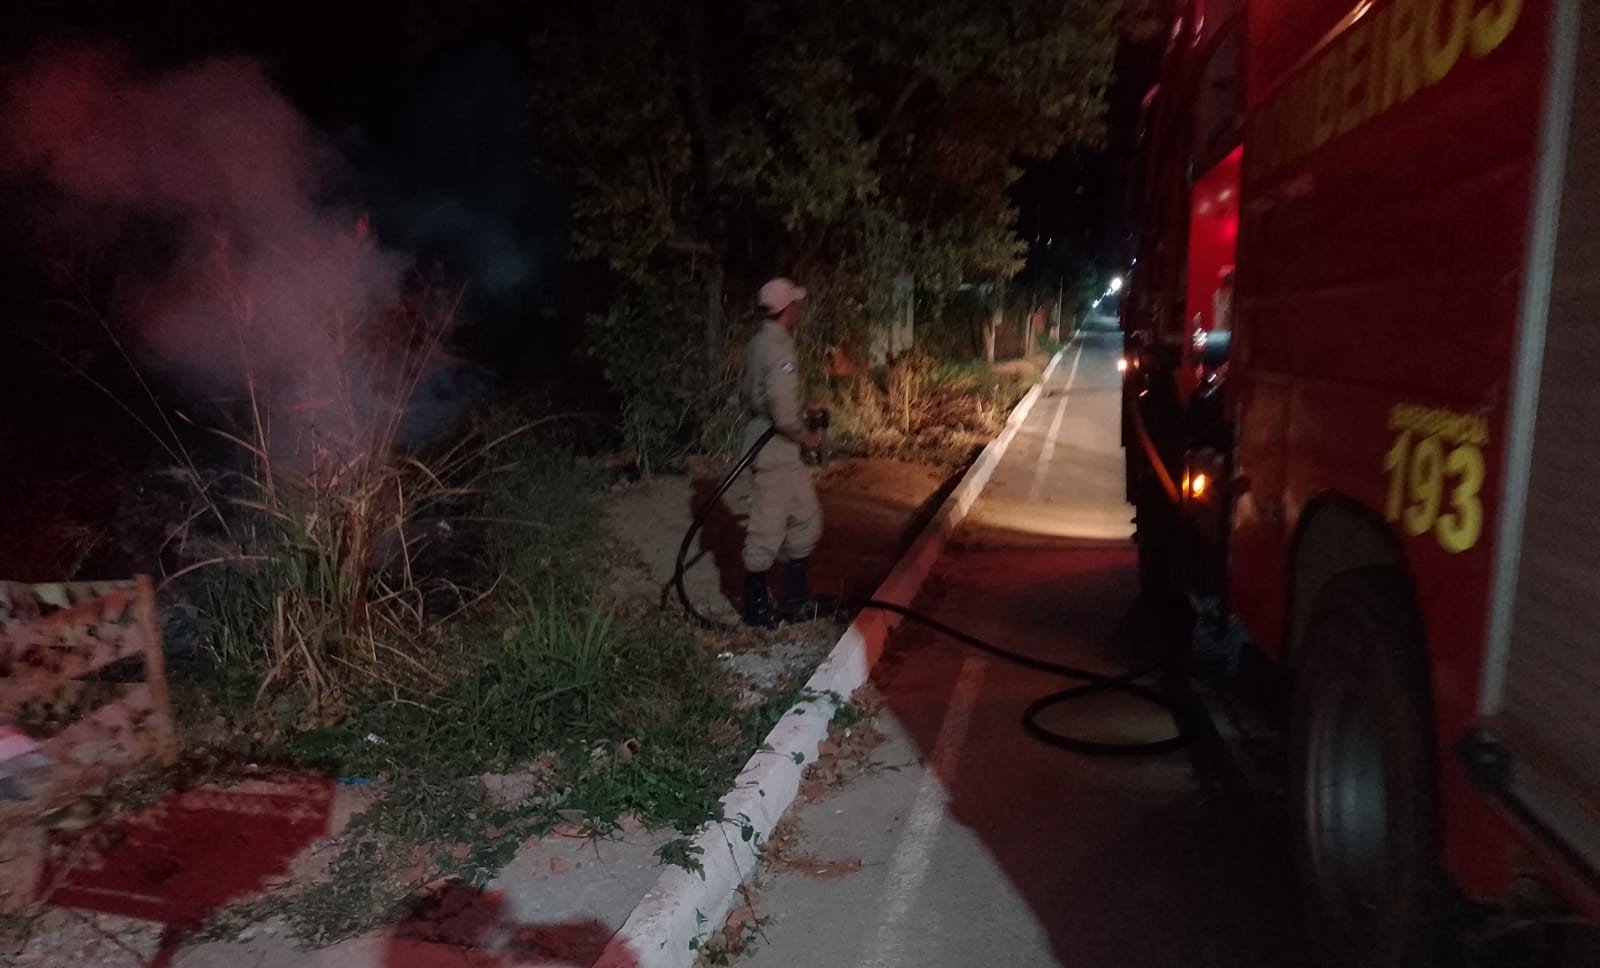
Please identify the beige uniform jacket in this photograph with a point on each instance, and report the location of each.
(771, 394)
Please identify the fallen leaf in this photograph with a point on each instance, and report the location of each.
(461, 851)
(827, 868)
(438, 884)
(419, 866)
(413, 874)
(825, 772)
(733, 933)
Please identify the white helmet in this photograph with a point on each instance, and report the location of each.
(778, 295)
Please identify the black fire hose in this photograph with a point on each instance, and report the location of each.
(1092, 683)
(699, 522)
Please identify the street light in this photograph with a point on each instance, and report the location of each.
(1116, 283)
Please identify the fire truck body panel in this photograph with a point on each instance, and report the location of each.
(1381, 260)
(1388, 275)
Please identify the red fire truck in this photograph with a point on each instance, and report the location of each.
(1363, 387)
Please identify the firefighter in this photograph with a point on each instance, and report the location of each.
(785, 518)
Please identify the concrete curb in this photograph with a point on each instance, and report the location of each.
(682, 907)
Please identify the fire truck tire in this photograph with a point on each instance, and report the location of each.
(1362, 784)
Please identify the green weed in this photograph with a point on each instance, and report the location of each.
(360, 884)
(682, 852)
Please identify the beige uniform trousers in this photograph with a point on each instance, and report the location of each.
(785, 516)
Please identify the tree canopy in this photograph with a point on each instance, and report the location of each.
(713, 143)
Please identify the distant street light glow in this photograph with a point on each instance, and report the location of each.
(1116, 283)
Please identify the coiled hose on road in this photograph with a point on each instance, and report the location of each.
(1091, 683)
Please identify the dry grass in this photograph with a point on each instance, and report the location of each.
(919, 405)
(306, 544)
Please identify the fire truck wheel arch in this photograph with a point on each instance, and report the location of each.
(1334, 536)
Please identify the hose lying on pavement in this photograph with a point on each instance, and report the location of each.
(1092, 683)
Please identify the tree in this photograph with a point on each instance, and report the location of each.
(713, 145)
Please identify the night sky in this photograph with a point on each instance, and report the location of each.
(427, 102)
(1075, 206)
(432, 119)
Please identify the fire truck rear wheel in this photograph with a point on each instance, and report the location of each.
(1363, 778)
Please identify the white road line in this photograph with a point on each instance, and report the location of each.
(1048, 453)
(914, 854)
(1073, 375)
(1055, 361)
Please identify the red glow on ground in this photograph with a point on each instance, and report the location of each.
(192, 853)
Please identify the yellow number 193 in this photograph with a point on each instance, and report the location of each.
(1417, 480)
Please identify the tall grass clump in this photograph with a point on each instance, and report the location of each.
(311, 508)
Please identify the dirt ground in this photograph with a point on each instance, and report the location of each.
(872, 508)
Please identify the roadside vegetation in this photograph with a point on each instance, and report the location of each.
(591, 711)
(431, 625)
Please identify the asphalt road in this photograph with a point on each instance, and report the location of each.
(980, 846)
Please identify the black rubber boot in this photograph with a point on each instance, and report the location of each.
(759, 612)
(798, 605)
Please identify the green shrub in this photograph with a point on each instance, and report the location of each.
(651, 349)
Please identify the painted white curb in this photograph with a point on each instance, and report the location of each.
(682, 906)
